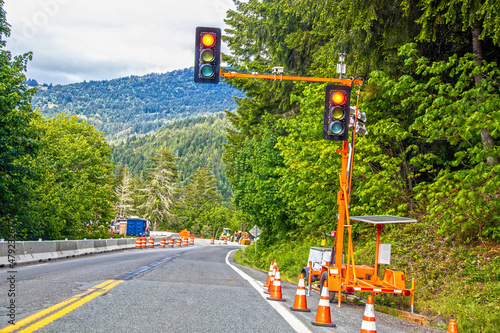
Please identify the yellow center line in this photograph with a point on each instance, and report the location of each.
(107, 284)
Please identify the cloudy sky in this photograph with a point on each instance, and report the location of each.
(76, 40)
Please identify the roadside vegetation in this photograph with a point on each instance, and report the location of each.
(431, 153)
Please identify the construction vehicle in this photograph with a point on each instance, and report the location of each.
(337, 265)
(226, 233)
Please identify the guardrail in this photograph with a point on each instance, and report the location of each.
(33, 251)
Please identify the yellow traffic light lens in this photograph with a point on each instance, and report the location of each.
(338, 98)
(336, 128)
(337, 113)
(208, 40)
(207, 70)
(207, 55)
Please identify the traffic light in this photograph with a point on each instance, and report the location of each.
(336, 120)
(207, 55)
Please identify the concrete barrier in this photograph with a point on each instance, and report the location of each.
(34, 251)
(27, 252)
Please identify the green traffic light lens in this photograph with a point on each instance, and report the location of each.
(207, 55)
(207, 70)
(337, 113)
(336, 128)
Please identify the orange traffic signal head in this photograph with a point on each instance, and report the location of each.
(208, 40)
(338, 98)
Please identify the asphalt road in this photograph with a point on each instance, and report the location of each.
(191, 289)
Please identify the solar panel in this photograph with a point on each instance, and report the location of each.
(382, 219)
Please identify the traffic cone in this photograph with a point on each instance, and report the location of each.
(186, 242)
(323, 317)
(171, 242)
(143, 242)
(212, 240)
(138, 243)
(452, 327)
(225, 241)
(191, 241)
(151, 242)
(271, 282)
(368, 325)
(300, 303)
(179, 242)
(162, 242)
(276, 293)
(269, 274)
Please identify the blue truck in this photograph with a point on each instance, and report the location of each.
(137, 227)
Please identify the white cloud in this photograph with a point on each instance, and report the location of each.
(76, 40)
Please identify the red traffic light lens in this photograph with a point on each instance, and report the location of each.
(338, 98)
(208, 40)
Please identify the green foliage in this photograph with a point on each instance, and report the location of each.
(158, 191)
(72, 195)
(251, 169)
(137, 104)
(309, 173)
(17, 138)
(200, 202)
(195, 142)
(432, 148)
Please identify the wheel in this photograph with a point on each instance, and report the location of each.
(332, 293)
(305, 271)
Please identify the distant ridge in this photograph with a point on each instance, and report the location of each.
(136, 104)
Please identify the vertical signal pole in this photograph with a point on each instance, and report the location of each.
(336, 127)
(342, 202)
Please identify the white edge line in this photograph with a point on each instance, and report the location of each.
(295, 323)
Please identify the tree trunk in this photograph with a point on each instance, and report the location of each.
(478, 56)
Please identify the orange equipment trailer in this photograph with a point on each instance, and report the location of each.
(347, 276)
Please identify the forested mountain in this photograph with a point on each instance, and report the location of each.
(194, 142)
(136, 104)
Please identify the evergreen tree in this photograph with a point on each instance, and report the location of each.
(159, 190)
(199, 197)
(123, 192)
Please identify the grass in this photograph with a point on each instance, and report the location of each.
(455, 278)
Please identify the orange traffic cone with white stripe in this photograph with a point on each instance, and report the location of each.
(368, 325)
(300, 303)
(276, 293)
(171, 242)
(138, 243)
(212, 241)
(271, 282)
(452, 327)
(151, 242)
(269, 274)
(323, 316)
(162, 242)
(143, 242)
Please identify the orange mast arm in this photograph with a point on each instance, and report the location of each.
(234, 75)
